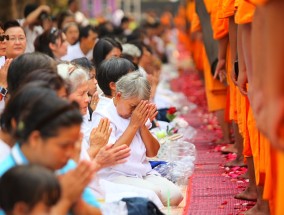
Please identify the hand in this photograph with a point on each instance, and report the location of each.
(3, 73)
(74, 182)
(99, 137)
(220, 70)
(152, 112)
(140, 114)
(110, 155)
(94, 101)
(233, 76)
(242, 84)
(44, 8)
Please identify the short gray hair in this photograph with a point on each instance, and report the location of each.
(72, 74)
(134, 85)
(131, 50)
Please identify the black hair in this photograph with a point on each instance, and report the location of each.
(102, 48)
(111, 70)
(36, 107)
(84, 31)
(22, 65)
(61, 16)
(105, 29)
(84, 62)
(30, 8)
(30, 184)
(1, 25)
(41, 43)
(70, 2)
(11, 24)
(49, 76)
(124, 19)
(130, 58)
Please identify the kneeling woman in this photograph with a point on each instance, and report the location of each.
(129, 113)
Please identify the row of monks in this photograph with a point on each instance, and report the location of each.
(250, 32)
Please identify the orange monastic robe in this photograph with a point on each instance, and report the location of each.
(216, 92)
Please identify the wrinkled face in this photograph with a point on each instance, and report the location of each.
(125, 107)
(115, 52)
(72, 34)
(17, 42)
(3, 44)
(80, 95)
(54, 152)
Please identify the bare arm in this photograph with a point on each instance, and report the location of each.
(33, 16)
(222, 56)
(138, 118)
(150, 142)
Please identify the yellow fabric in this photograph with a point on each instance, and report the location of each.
(247, 152)
(255, 143)
(244, 12)
(216, 92)
(228, 8)
(220, 26)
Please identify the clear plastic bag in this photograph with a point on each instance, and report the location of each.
(181, 156)
(114, 208)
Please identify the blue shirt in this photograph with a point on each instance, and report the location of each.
(17, 157)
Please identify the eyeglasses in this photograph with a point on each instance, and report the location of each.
(14, 38)
(4, 37)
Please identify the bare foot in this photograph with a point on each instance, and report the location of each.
(257, 210)
(243, 176)
(230, 148)
(248, 194)
(236, 162)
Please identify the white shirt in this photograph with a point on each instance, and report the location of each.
(2, 61)
(74, 52)
(88, 126)
(137, 164)
(31, 35)
(4, 150)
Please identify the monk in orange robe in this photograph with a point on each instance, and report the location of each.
(243, 18)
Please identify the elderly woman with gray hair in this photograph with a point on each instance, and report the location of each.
(77, 79)
(129, 113)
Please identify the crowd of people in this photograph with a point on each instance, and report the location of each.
(242, 47)
(77, 103)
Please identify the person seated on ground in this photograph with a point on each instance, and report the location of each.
(108, 73)
(128, 113)
(37, 19)
(84, 47)
(53, 43)
(105, 48)
(92, 84)
(25, 64)
(4, 65)
(77, 78)
(63, 18)
(16, 45)
(37, 191)
(131, 53)
(51, 80)
(71, 31)
(46, 129)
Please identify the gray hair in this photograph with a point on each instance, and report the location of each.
(131, 50)
(74, 75)
(133, 85)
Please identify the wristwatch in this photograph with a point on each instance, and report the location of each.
(3, 91)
